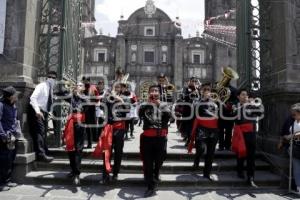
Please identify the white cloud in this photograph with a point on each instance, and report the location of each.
(191, 13)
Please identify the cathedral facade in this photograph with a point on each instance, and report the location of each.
(149, 43)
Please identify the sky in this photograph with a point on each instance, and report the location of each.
(190, 12)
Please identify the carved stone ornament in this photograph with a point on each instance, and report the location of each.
(150, 8)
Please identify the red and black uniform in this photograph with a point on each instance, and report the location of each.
(153, 140)
(244, 139)
(73, 135)
(204, 133)
(225, 123)
(189, 95)
(90, 112)
(111, 138)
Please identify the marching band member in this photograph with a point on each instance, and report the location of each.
(100, 115)
(130, 98)
(155, 115)
(244, 136)
(112, 136)
(163, 83)
(90, 110)
(189, 95)
(205, 130)
(73, 135)
(226, 124)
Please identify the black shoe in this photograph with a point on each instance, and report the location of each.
(149, 192)
(89, 146)
(105, 180)
(132, 136)
(157, 178)
(115, 177)
(45, 158)
(221, 149)
(207, 176)
(251, 183)
(241, 175)
(195, 167)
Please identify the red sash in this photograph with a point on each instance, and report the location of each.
(68, 134)
(105, 143)
(155, 132)
(206, 123)
(238, 140)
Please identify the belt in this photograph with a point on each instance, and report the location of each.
(155, 132)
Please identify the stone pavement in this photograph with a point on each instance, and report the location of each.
(35, 192)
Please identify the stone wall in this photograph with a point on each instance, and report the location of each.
(18, 67)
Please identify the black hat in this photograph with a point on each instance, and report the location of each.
(52, 74)
(9, 91)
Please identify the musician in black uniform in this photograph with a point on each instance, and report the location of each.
(112, 137)
(205, 130)
(244, 136)
(190, 94)
(163, 85)
(74, 132)
(154, 138)
(226, 120)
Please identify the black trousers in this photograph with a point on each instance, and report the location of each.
(90, 121)
(75, 157)
(75, 161)
(225, 133)
(129, 126)
(154, 151)
(38, 132)
(250, 140)
(117, 147)
(187, 126)
(7, 158)
(210, 142)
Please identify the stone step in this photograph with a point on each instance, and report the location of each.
(131, 166)
(221, 179)
(134, 155)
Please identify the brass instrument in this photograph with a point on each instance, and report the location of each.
(168, 90)
(221, 92)
(144, 89)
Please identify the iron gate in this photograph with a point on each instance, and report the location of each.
(60, 50)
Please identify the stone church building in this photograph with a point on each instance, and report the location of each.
(148, 43)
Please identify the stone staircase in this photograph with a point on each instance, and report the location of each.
(176, 172)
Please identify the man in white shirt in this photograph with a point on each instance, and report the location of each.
(40, 106)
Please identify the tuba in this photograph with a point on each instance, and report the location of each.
(221, 91)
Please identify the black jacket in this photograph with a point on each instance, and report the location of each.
(157, 120)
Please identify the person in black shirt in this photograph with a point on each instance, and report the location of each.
(9, 133)
(244, 135)
(156, 116)
(205, 130)
(74, 132)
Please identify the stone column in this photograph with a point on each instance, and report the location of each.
(18, 68)
(121, 52)
(178, 62)
(280, 71)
